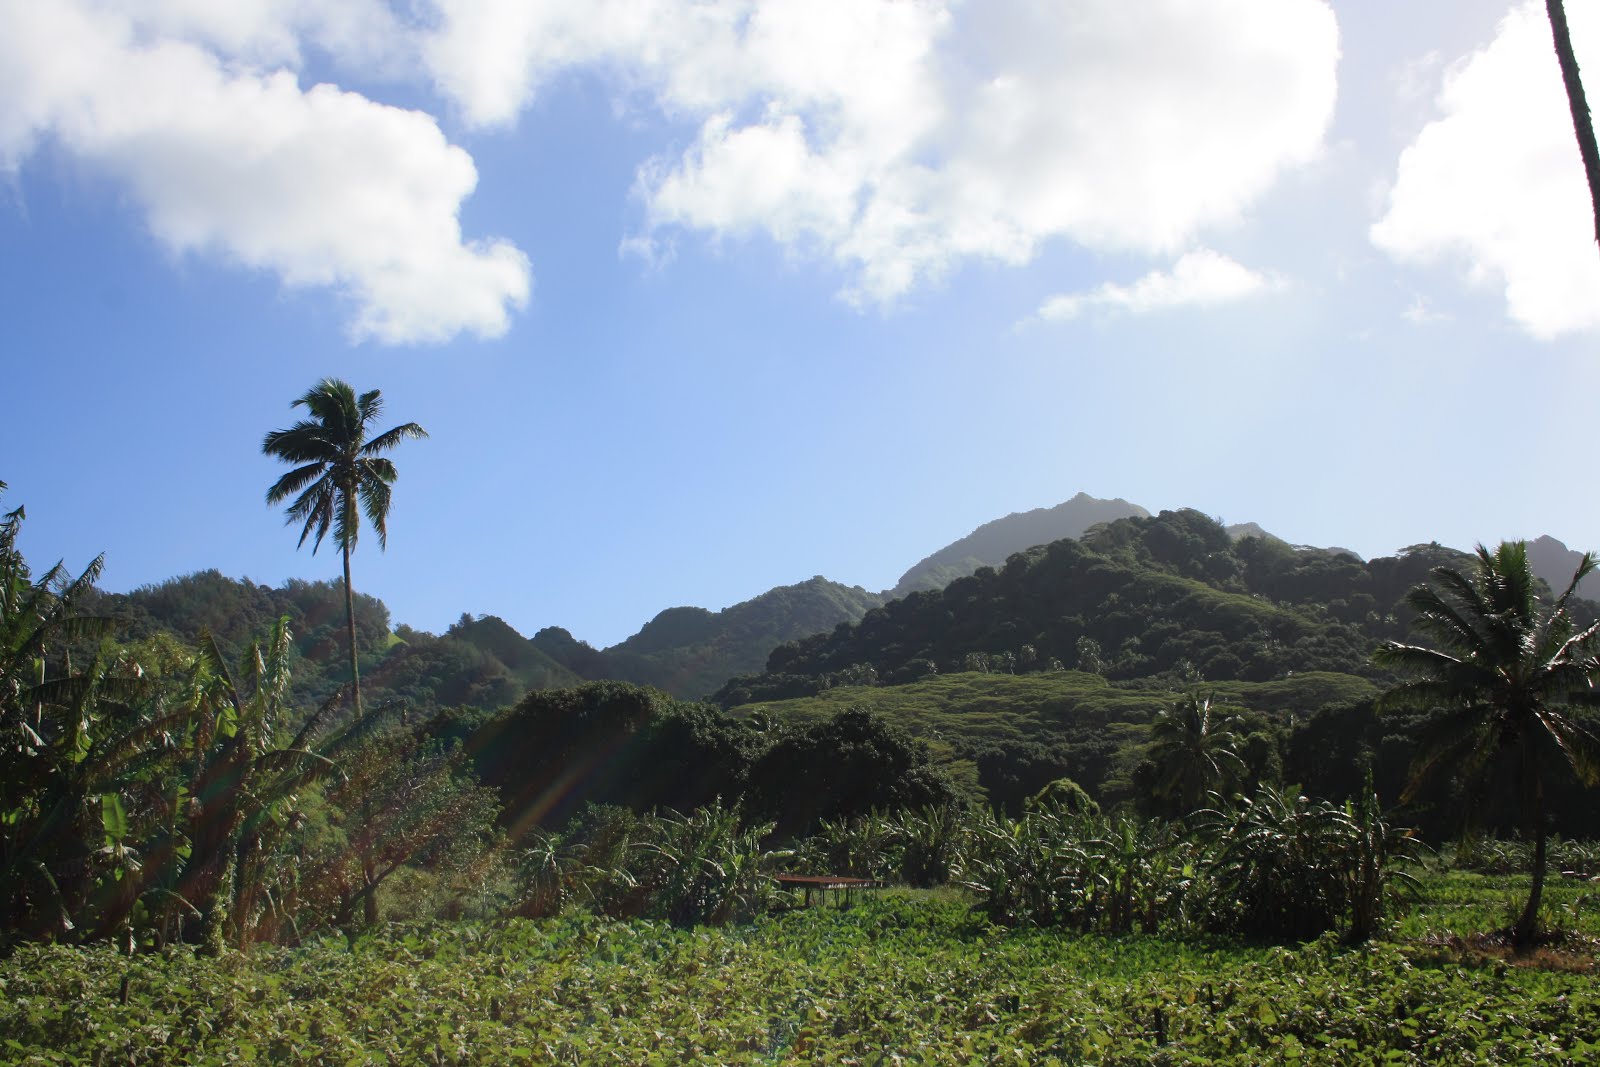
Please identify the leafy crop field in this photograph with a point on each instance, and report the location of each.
(907, 978)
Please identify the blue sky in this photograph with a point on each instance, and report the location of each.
(700, 298)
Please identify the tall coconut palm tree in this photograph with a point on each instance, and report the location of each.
(1582, 123)
(341, 473)
(1507, 674)
(1195, 751)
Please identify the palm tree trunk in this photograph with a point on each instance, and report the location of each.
(369, 904)
(350, 623)
(1527, 928)
(1581, 121)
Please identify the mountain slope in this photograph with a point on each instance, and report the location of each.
(1555, 563)
(1137, 597)
(1010, 735)
(689, 652)
(993, 543)
(522, 659)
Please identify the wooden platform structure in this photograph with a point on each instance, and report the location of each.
(827, 883)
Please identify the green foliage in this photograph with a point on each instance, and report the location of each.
(607, 743)
(225, 809)
(899, 978)
(1195, 752)
(706, 867)
(520, 657)
(401, 801)
(851, 763)
(68, 736)
(1283, 867)
(1509, 675)
(1172, 594)
(1024, 731)
(478, 662)
(923, 847)
(1065, 794)
(612, 743)
(1056, 866)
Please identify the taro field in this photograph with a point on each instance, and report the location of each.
(904, 978)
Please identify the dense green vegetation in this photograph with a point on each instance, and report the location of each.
(480, 661)
(1172, 595)
(907, 979)
(1009, 735)
(1119, 766)
(1509, 675)
(689, 652)
(612, 743)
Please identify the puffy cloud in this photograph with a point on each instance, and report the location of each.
(322, 187)
(1497, 181)
(900, 137)
(896, 138)
(1199, 279)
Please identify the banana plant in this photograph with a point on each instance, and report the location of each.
(226, 861)
(64, 725)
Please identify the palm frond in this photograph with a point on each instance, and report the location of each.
(1453, 620)
(1586, 566)
(357, 732)
(84, 581)
(386, 440)
(304, 442)
(1465, 737)
(296, 481)
(369, 406)
(313, 508)
(319, 717)
(1577, 741)
(375, 500)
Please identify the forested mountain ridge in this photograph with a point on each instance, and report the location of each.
(1312, 605)
(689, 652)
(1055, 665)
(482, 660)
(477, 662)
(1173, 593)
(994, 542)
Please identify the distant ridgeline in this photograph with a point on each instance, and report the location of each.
(476, 662)
(1054, 665)
(1140, 596)
(994, 542)
(1051, 665)
(482, 661)
(1172, 594)
(690, 652)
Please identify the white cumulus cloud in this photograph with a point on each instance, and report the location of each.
(1201, 278)
(320, 186)
(1496, 183)
(902, 137)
